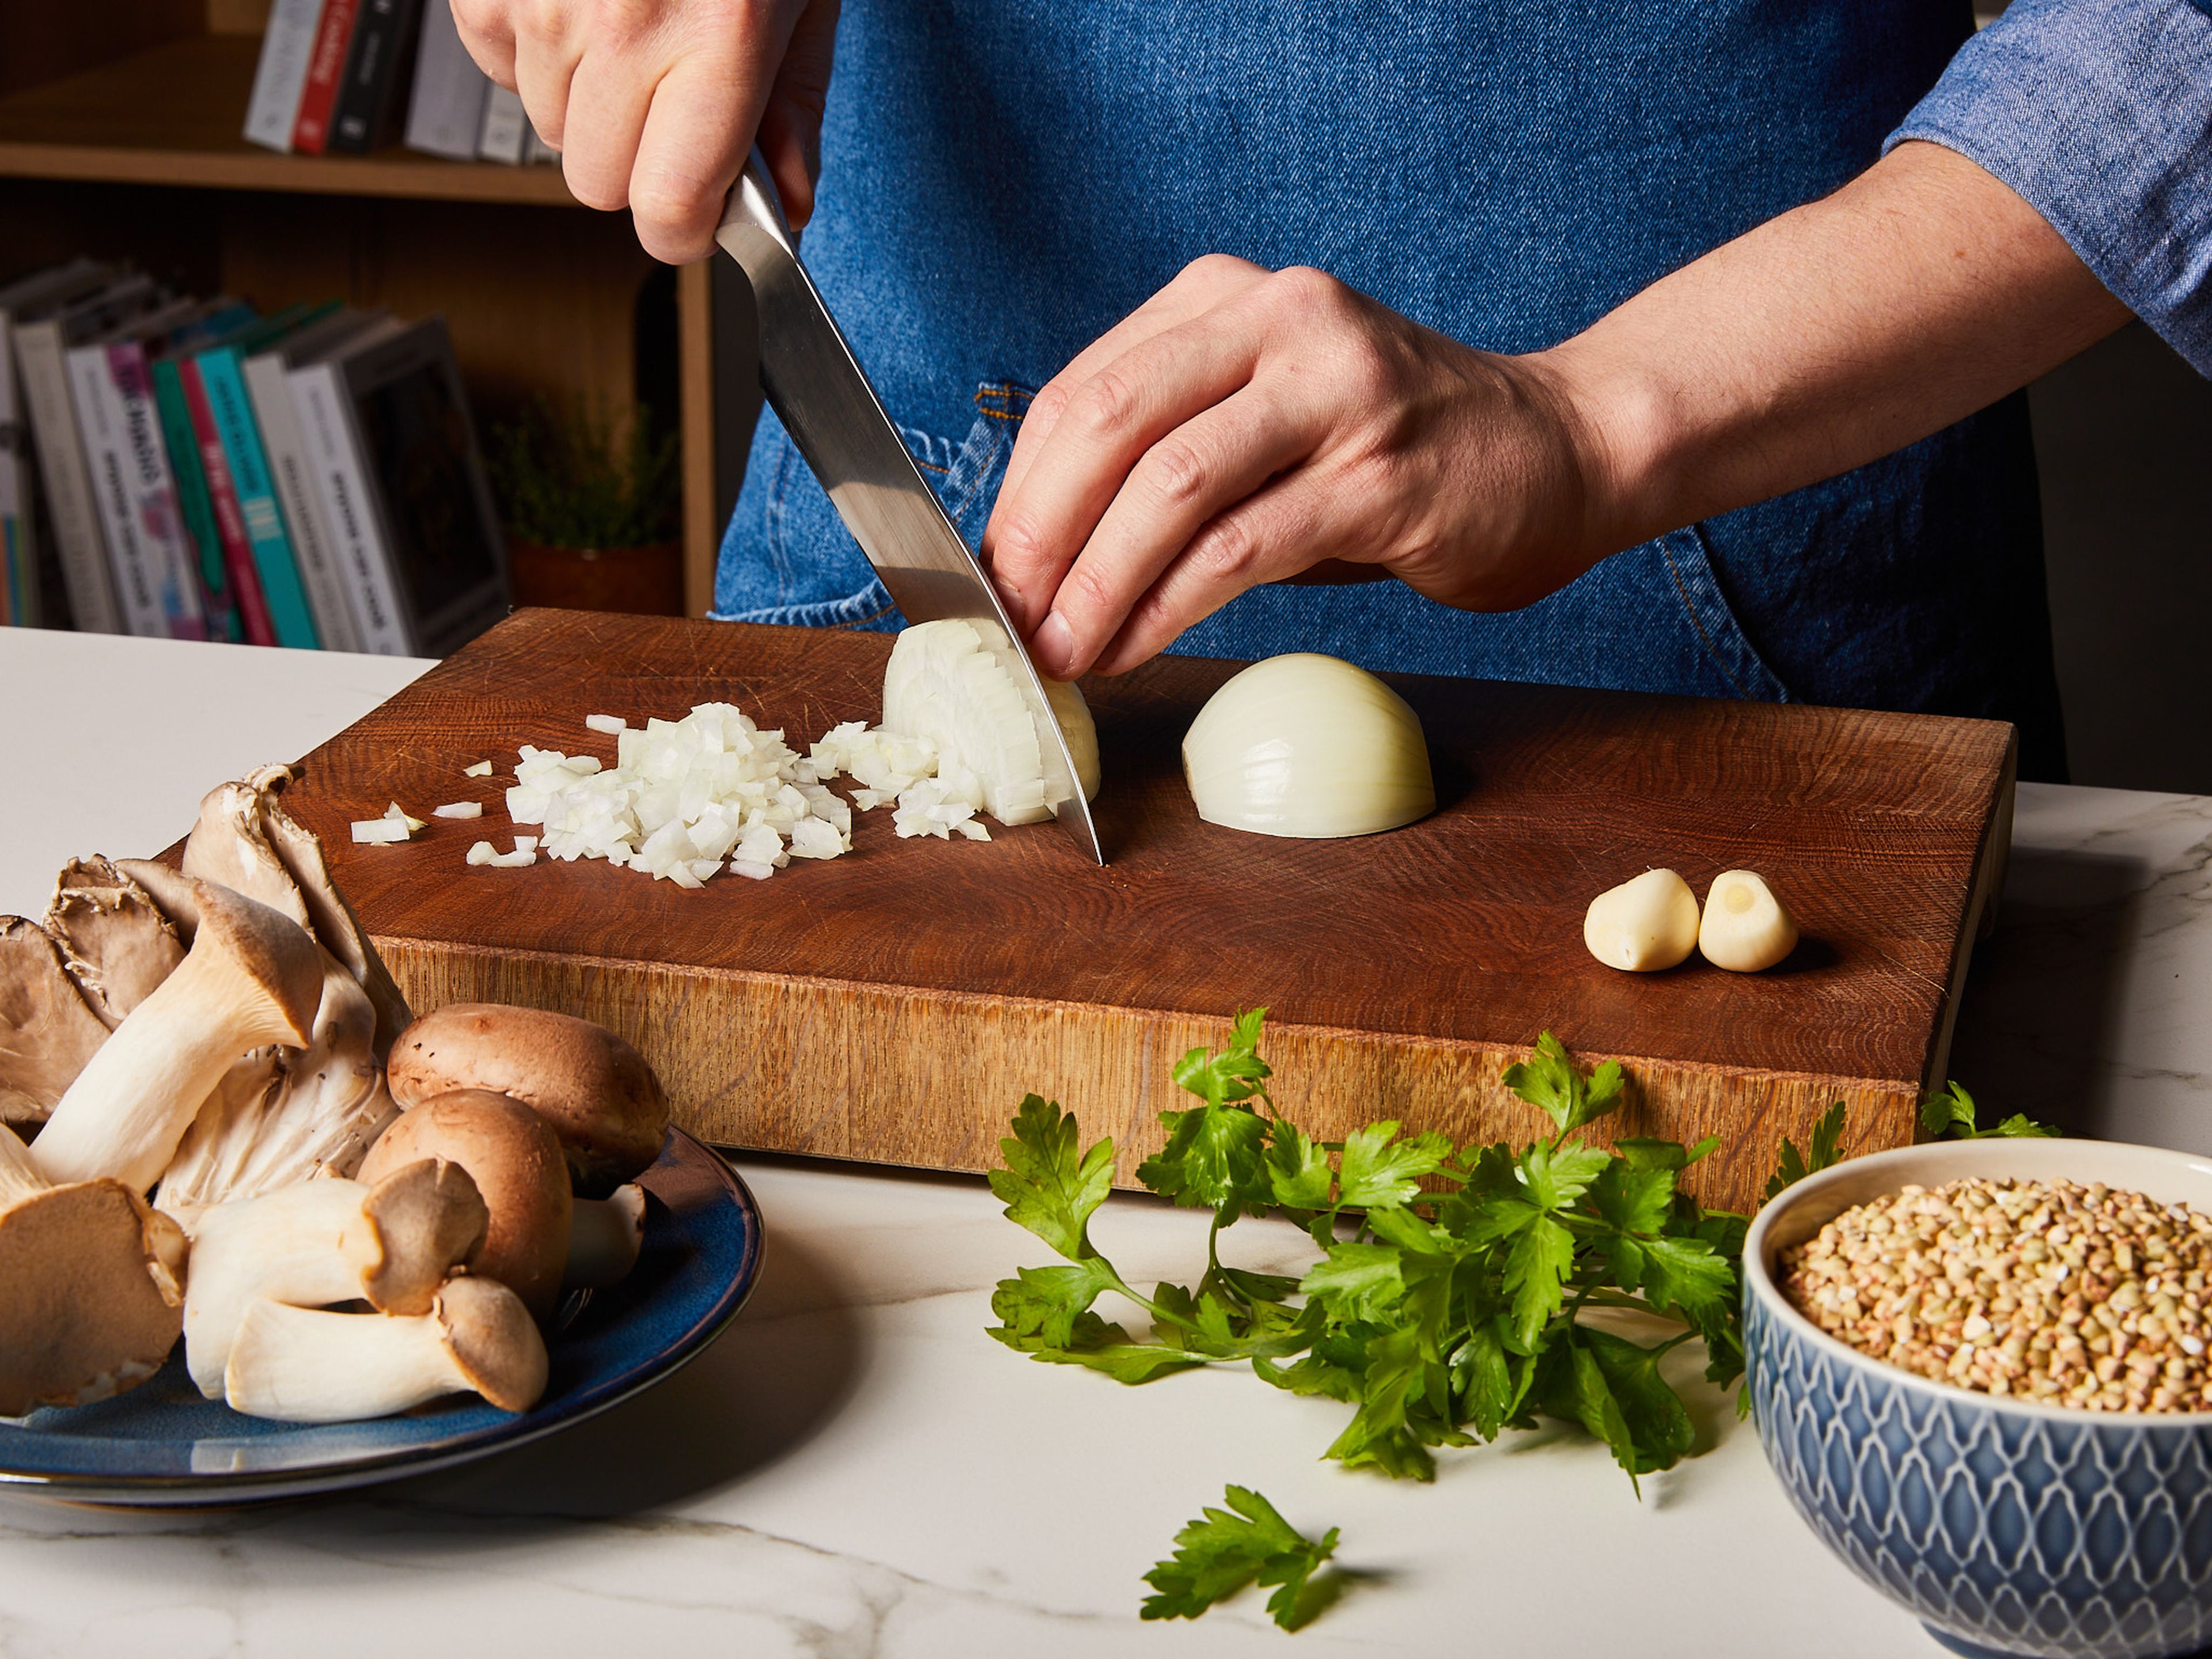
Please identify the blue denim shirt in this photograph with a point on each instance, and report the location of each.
(1004, 180)
(2099, 113)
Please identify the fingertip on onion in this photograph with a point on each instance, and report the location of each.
(1746, 927)
(1645, 925)
(1308, 746)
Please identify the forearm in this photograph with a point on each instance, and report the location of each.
(1839, 332)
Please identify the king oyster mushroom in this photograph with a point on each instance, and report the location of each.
(228, 849)
(322, 1243)
(515, 1161)
(90, 1286)
(280, 1116)
(596, 1090)
(48, 1031)
(605, 1237)
(118, 944)
(301, 1366)
(252, 977)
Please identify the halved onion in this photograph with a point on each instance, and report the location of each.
(1308, 746)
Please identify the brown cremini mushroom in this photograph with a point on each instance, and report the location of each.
(115, 937)
(511, 1154)
(252, 977)
(48, 1031)
(596, 1090)
(91, 1289)
(301, 1366)
(322, 1243)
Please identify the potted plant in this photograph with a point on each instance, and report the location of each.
(592, 501)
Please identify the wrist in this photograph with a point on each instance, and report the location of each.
(1617, 426)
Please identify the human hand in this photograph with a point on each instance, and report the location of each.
(1246, 426)
(654, 104)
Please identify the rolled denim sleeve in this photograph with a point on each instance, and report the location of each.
(2098, 114)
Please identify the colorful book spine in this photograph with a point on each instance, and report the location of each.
(132, 496)
(342, 478)
(194, 502)
(267, 382)
(281, 587)
(287, 44)
(229, 521)
(366, 100)
(318, 97)
(154, 492)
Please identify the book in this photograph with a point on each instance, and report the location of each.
(280, 75)
(535, 152)
(194, 500)
(445, 110)
(396, 457)
(319, 95)
(504, 123)
(267, 374)
(368, 98)
(21, 602)
(281, 585)
(42, 337)
(133, 492)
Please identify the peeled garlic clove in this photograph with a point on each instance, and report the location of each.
(1308, 746)
(1745, 928)
(1643, 925)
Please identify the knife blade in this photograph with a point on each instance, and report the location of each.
(826, 403)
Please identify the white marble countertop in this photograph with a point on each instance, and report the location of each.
(855, 1470)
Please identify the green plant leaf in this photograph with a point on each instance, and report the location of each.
(1379, 1172)
(1550, 1079)
(1298, 1176)
(1792, 1166)
(1224, 1551)
(1048, 1185)
(1216, 1156)
(1950, 1112)
(1235, 1073)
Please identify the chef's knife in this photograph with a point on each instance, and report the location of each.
(819, 390)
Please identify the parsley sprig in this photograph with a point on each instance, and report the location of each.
(1222, 1550)
(1449, 1300)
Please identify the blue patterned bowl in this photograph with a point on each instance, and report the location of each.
(2008, 1528)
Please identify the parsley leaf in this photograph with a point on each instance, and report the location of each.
(1950, 1112)
(1236, 1073)
(1222, 1550)
(1215, 1157)
(1549, 1078)
(1794, 1166)
(1379, 1171)
(1047, 1186)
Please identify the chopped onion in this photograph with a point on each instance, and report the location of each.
(1309, 746)
(481, 769)
(458, 809)
(396, 813)
(379, 832)
(611, 724)
(947, 683)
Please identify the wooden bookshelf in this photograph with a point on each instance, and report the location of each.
(120, 137)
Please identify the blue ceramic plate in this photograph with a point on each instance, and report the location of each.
(161, 1443)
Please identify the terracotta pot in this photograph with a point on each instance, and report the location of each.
(645, 581)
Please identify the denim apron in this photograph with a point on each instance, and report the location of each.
(1002, 180)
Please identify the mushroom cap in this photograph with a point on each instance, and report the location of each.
(90, 1297)
(510, 1154)
(596, 1090)
(171, 889)
(268, 961)
(227, 847)
(430, 1216)
(47, 1028)
(119, 943)
(493, 1339)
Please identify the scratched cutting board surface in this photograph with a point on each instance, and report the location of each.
(895, 1004)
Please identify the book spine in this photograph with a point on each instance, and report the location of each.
(363, 117)
(75, 520)
(311, 132)
(194, 503)
(342, 480)
(504, 122)
(257, 502)
(153, 488)
(229, 522)
(274, 413)
(100, 430)
(281, 75)
(446, 111)
(17, 573)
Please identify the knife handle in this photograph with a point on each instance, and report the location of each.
(756, 204)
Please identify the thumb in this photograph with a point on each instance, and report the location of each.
(791, 126)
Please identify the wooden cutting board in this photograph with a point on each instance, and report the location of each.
(895, 1004)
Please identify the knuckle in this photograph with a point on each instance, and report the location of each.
(1177, 472)
(1017, 543)
(1226, 549)
(1108, 403)
(1093, 593)
(1306, 291)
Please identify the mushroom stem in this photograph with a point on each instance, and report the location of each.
(604, 1236)
(326, 1242)
(90, 1288)
(252, 977)
(299, 1367)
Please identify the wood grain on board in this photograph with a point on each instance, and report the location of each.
(895, 1005)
